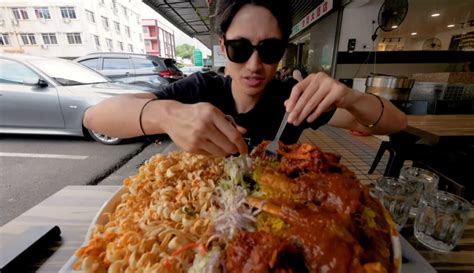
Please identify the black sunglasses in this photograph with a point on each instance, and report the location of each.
(270, 50)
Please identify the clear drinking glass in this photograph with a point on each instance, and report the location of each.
(440, 220)
(424, 181)
(397, 195)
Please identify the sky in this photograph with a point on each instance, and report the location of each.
(180, 38)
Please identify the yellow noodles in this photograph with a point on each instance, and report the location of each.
(162, 219)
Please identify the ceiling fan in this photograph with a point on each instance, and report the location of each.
(391, 15)
(431, 44)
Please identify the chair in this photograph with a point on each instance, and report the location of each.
(401, 147)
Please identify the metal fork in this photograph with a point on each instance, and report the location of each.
(272, 147)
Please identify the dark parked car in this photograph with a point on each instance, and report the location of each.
(48, 96)
(147, 70)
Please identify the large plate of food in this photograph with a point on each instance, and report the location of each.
(303, 211)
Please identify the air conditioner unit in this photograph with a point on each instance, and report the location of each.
(2, 22)
(110, 49)
(42, 20)
(66, 20)
(15, 22)
(44, 46)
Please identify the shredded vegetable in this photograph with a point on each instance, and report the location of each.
(208, 263)
(234, 215)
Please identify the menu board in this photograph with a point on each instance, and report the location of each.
(462, 41)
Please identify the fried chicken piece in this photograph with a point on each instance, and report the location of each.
(327, 244)
(259, 252)
(335, 192)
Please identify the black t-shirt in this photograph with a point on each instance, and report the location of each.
(261, 122)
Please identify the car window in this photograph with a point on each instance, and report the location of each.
(16, 72)
(66, 73)
(146, 65)
(91, 63)
(116, 63)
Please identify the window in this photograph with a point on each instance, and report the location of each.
(109, 44)
(145, 65)
(117, 27)
(68, 12)
(42, 13)
(91, 63)
(145, 30)
(20, 13)
(120, 46)
(4, 39)
(102, 2)
(74, 38)
(127, 31)
(16, 73)
(97, 40)
(116, 63)
(148, 43)
(124, 10)
(28, 38)
(105, 22)
(130, 47)
(90, 16)
(49, 38)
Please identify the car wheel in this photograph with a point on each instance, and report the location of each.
(104, 139)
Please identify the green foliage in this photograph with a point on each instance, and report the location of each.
(185, 51)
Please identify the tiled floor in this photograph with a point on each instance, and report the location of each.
(357, 152)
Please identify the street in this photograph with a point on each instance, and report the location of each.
(34, 167)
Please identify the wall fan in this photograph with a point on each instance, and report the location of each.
(391, 13)
(432, 44)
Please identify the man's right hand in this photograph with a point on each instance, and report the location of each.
(202, 128)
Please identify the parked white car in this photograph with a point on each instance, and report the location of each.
(188, 70)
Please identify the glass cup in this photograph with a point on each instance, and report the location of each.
(424, 181)
(397, 195)
(440, 220)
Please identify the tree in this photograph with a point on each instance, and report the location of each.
(185, 51)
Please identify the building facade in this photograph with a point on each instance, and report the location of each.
(159, 40)
(70, 28)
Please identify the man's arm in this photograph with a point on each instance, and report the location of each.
(319, 93)
(198, 128)
(367, 109)
(118, 116)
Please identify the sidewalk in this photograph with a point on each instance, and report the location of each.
(357, 153)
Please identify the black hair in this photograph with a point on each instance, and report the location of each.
(281, 10)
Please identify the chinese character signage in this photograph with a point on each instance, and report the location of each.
(312, 17)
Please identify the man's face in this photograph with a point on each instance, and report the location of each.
(254, 23)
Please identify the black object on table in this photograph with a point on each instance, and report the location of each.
(30, 246)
